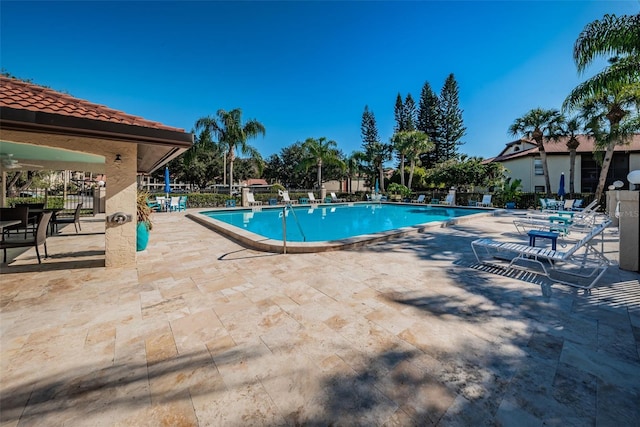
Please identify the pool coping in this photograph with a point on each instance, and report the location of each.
(260, 243)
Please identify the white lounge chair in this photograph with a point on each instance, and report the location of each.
(581, 260)
(312, 198)
(420, 199)
(448, 200)
(486, 201)
(335, 198)
(251, 200)
(286, 200)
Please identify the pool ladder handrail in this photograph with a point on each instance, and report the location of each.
(284, 225)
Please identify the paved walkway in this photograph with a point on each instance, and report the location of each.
(407, 332)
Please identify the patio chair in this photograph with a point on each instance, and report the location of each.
(230, 203)
(577, 205)
(33, 217)
(182, 204)
(486, 201)
(435, 201)
(543, 204)
(174, 203)
(251, 200)
(568, 204)
(588, 264)
(75, 220)
(162, 203)
(312, 198)
(40, 238)
(287, 200)
(335, 198)
(420, 199)
(19, 214)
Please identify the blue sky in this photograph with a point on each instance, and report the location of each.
(304, 69)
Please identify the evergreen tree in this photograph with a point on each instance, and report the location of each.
(451, 128)
(375, 151)
(428, 121)
(409, 115)
(399, 114)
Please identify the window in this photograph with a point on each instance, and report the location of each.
(540, 189)
(537, 167)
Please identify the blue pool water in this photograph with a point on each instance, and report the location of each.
(334, 222)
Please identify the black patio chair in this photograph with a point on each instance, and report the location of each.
(75, 219)
(40, 238)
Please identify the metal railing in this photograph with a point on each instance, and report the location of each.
(289, 208)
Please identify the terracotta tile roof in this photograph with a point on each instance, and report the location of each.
(587, 145)
(256, 181)
(22, 95)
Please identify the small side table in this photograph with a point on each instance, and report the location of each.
(553, 236)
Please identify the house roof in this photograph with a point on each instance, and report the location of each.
(28, 107)
(256, 181)
(22, 95)
(587, 145)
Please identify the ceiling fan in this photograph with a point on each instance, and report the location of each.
(8, 162)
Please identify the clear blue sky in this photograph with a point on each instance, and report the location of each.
(304, 69)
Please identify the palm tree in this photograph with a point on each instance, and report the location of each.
(608, 98)
(233, 135)
(411, 144)
(353, 168)
(571, 128)
(539, 124)
(318, 152)
(617, 37)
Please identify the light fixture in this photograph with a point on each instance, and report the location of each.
(634, 177)
(618, 184)
(118, 158)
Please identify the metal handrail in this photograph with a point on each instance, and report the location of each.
(284, 225)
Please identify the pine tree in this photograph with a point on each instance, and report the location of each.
(399, 114)
(428, 121)
(451, 128)
(376, 152)
(409, 115)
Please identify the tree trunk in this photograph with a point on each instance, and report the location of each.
(381, 178)
(402, 169)
(231, 159)
(545, 170)
(608, 156)
(572, 168)
(411, 168)
(320, 174)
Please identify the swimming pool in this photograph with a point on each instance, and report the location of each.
(327, 226)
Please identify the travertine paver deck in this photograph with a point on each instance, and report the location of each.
(407, 332)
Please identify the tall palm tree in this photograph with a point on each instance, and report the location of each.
(571, 128)
(354, 168)
(539, 124)
(412, 144)
(232, 134)
(319, 152)
(615, 37)
(609, 98)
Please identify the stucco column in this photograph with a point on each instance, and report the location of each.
(120, 239)
(245, 200)
(629, 230)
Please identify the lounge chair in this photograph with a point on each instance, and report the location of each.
(75, 220)
(588, 264)
(420, 199)
(286, 200)
(486, 201)
(312, 198)
(251, 200)
(435, 201)
(335, 198)
(448, 200)
(40, 238)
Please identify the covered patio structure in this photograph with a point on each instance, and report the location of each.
(60, 132)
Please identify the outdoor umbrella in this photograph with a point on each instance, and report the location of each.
(167, 181)
(561, 191)
(376, 186)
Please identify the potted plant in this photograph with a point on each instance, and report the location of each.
(144, 224)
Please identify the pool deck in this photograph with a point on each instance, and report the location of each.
(409, 331)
